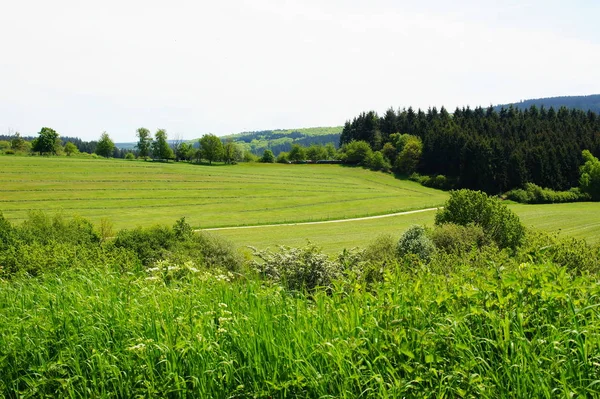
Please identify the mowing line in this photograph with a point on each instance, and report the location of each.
(323, 221)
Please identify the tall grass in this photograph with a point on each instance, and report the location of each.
(523, 331)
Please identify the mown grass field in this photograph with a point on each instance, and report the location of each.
(579, 220)
(132, 193)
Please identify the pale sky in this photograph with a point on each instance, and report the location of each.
(196, 67)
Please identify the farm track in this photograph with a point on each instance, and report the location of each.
(322, 221)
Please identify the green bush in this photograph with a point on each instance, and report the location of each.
(440, 182)
(149, 244)
(378, 162)
(129, 156)
(283, 157)
(414, 241)
(44, 229)
(297, 269)
(356, 152)
(454, 238)
(499, 223)
(267, 157)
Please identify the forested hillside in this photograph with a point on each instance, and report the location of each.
(281, 140)
(489, 150)
(584, 103)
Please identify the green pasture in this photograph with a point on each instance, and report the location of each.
(331, 237)
(132, 193)
(580, 220)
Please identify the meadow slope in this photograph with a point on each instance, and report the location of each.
(132, 193)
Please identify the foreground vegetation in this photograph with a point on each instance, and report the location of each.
(164, 312)
(500, 331)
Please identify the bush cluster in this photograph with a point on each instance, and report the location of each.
(43, 243)
(297, 268)
(440, 182)
(534, 194)
(466, 207)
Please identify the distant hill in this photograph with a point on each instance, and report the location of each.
(282, 139)
(584, 103)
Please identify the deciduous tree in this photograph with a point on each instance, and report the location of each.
(144, 142)
(160, 146)
(105, 146)
(211, 148)
(45, 143)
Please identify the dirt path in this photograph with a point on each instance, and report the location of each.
(322, 222)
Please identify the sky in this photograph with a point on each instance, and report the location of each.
(198, 67)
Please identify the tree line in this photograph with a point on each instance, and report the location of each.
(481, 148)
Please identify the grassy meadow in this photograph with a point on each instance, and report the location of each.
(131, 193)
(522, 331)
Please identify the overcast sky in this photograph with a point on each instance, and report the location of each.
(196, 67)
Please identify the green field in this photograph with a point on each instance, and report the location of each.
(131, 193)
(331, 237)
(579, 220)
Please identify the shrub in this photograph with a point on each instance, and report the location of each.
(356, 152)
(440, 182)
(149, 244)
(44, 229)
(297, 268)
(129, 156)
(457, 239)
(378, 162)
(414, 241)
(267, 157)
(283, 157)
(499, 223)
(249, 157)
(207, 250)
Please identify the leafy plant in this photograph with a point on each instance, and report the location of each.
(414, 241)
(466, 207)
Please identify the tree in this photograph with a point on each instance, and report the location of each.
(144, 142)
(297, 153)
(316, 152)
(211, 148)
(231, 152)
(105, 146)
(70, 149)
(331, 151)
(45, 143)
(160, 146)
(357, 152)
(590, 175)
(17, 143)
(410, 154)
(267, 157)
(184, 151)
